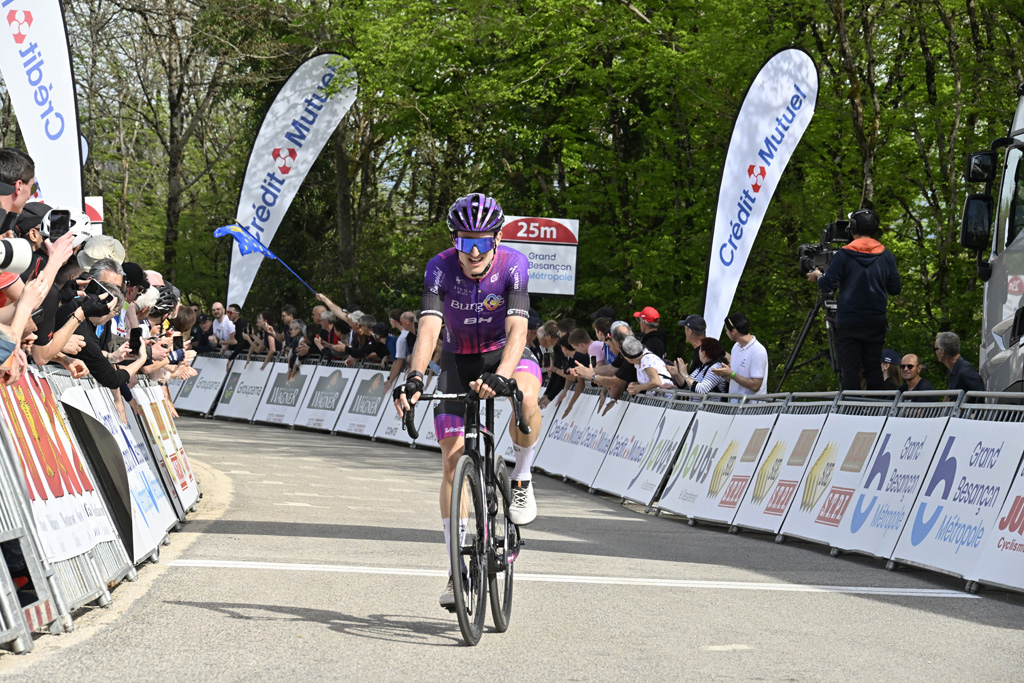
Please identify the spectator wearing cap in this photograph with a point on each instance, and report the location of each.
(603, 312)
(891, 370)
(653, 339)
(29, 227)
(694, 329)
(135, 284)
(101, 247)
(201, 342)
(748, 372)
(375, 348)
(910, 368)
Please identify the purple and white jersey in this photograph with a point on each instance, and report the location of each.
(476, 310)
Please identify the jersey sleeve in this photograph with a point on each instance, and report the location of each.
(518, 290)
(434, 283)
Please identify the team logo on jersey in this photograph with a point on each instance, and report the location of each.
(494, 278)
(493, 301)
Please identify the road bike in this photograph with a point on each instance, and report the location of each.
(487, 542)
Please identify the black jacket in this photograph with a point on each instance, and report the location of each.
(865, 274)
(656, 342)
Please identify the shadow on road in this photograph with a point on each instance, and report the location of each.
(390, 627)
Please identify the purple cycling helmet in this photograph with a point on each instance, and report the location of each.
(475, 213)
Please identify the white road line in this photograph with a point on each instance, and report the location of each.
(726, 648)
(300, 505)
(269, 482)
(602, 580)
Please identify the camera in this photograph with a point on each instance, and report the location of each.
(15, 255)
(811, 256)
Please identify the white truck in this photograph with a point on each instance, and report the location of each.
(1002, 352)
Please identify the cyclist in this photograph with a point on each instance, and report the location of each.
(479, 289)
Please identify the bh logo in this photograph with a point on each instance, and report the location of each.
(493, 301)
(879, 470)
(945, 473)
(20, 22)
(285, 159)
(757, 175)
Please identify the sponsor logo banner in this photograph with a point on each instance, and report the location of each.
(889, 486)
(1002, 556)
(391, 429)
(591, 445)
(243, 391)
(550, 246)
(323, 401)
(366, 404)
(505, 445)
(69, 512)
(566, 430)
(704, 446)
(957, 509)
(295, 129)
(36, 66)
(774, 115)
(774, 483)
(198, 393)
(833, 473)
(283, 396)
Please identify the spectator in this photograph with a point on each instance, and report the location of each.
(404, 344)
(375, 349)
(242, 328)
(288, 314)
(599, 348)
(579, 346)
(653, 339)
(223, 329)
(891, 370)
(703, 380)
(328, 340)
(962, 374)
(749, 358)
(603, 312)
(317, 311)
(617, 376)
(263, 340)
(912, 379)
(865, 274)
(651, 372)
(202, 339)
(547, 337)
(533, 324)
(694, 328)
(18, 171)
(96, 312)
(135, 285)
(394, 319)
(295, 330)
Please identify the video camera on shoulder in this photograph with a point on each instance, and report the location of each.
(820, 255)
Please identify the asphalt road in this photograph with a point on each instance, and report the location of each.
(320, 557)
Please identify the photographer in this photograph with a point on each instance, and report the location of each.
(97, 309)
(865, 274)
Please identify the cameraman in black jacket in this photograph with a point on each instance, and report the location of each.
(865, 274)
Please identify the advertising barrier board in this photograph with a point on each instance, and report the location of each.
(640, 454)
(174, 388)
(885, 496)
(557, 450)
(366, 404)
(833, 475)
(505, 446)
(325, 397)
(590, 447)
(152, 512)
(68, 510)
(164, 440)
(774, 483)
(282, 398)
(958, 507)
(242, 392)
(1001, 562)
(391, 427)
(198, 393)
(730, 474)
(701, 449)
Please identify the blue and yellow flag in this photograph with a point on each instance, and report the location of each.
(247, 244)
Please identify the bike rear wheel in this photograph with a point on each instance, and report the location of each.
(469, 550)
(503, 537)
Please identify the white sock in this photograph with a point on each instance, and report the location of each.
(447, 524)
(524, 462)
(463, 524)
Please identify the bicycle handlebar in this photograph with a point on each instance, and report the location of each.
(469, 397)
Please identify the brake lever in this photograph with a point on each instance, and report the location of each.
(517, 406)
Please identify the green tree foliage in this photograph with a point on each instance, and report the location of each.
(615, 113)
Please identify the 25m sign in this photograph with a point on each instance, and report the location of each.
(550, 246)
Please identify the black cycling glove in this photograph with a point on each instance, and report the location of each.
(497, 383)
(412, 386)
(94, 306)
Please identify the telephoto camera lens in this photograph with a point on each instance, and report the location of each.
(15, 255)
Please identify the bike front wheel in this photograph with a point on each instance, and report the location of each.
(505, 545)
(469, 550)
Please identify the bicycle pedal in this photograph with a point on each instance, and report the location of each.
(450, 609)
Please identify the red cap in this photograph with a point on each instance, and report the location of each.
(648, 315)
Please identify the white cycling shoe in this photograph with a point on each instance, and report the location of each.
(448, 596)
(523, 509)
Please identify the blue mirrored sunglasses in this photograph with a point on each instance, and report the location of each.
(466, 244)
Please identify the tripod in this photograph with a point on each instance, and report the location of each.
(830, 329)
